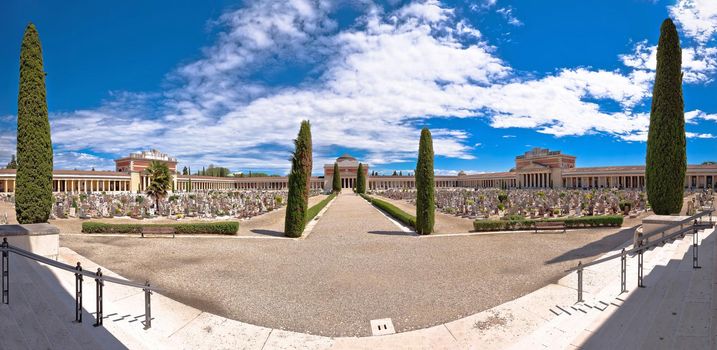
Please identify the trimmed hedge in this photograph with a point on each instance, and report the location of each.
(578, 222)
(217, 228)
(392, 210)
(313, 211)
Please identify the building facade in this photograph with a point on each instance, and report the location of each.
(537, 168)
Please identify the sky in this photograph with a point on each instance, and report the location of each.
(228, 82)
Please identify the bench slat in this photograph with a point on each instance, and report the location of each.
(158, 230)
(550, 225)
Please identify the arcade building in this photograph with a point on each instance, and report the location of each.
(537, 168)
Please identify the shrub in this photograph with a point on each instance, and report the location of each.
(313, 211)
(395, 212)
(525, 224)
(217, 228)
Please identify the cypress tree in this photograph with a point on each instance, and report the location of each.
(12, 164)
(666, 159)
(337, 179)
(425, 191)
(33, 193)
(298, 199)
(360, 180)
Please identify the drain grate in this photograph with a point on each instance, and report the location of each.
(382, 327)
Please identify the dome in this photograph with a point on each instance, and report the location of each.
(345, 157)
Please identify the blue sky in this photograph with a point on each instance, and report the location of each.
(227, 82)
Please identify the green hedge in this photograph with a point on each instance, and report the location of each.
(313, 211)
(392, 210)
(218, 228)
(578, 222)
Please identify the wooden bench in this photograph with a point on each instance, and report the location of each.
(549, 225)
(164, 230)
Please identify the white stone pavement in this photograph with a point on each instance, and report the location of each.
(546, 318)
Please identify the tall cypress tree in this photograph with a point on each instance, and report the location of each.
(666, 157)
(336, 183)
(298, 199)
(425, 185)
(360, 180)
(33, 194)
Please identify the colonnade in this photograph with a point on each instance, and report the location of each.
(8, 185)
(488, 183)
(90, 185)
(236, 184)
(383, 183)
(536, 180)
(631, 181)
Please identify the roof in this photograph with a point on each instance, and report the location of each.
(74, 172)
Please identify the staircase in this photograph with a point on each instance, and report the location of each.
(41, 313)
(674, 311)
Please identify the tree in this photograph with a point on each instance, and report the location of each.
(33, 192)
(394, 173)
(425, 185)
(400, 173)
(336, 183)
(160, 181)
(666, 159)
(298, 199)
(12, 164)
(184, 171)
(360, 180)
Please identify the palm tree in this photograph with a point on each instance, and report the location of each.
(160, 181)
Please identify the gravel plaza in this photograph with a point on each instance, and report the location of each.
(355, 266)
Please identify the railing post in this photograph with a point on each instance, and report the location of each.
(580, 282)
(147, 307)
(695, 249)
(639, 267)
(5, 272)
(100, 283)
(78, 293)
(623, 272)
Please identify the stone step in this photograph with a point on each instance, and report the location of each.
(11, 336)
(117, 331)
(608, 332)
(45, 323)
(672, 300)
(601, 284)
(57, 307)
(694, 328)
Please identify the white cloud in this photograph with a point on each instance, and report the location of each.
(698, 63)
(699, 135)
(374, 86)
(698, 18)
(507, 13)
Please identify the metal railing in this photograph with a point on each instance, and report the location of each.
(79, 273)
(647, 242)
